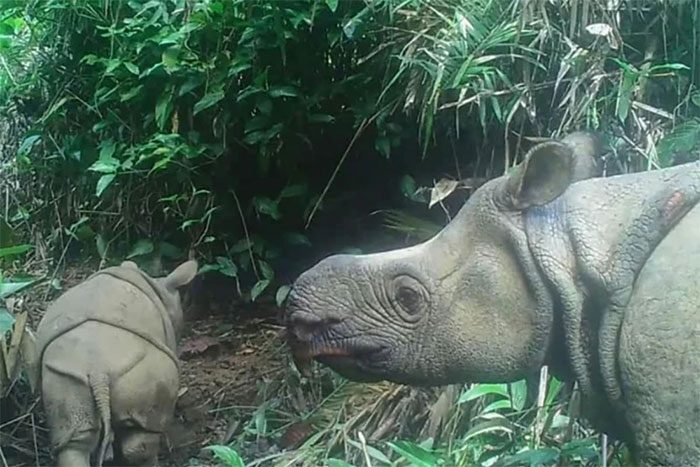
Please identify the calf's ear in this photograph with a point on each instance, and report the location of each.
(543, 176)
(182, 275)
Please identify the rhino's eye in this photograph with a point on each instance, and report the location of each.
(409, 297)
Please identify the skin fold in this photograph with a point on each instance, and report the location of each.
(549, 264)
(109, 369)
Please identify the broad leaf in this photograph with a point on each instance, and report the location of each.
(258, 288)
(383, 146)
(6, 321)
(266, 270)
(208, 100)
(332, 5)
(14, 250)
(164, 107)
(281, 294)
(442, 190)
(227, 455)
(101, 245)
(283, 91)
(264, 205)
(227, 267)
(107, 166)
(142, 247)
(479, 390)
(9, 288)
(293, 191)
(103, 183)
(415, 454)
(518, 394)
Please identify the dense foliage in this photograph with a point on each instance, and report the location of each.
(149, 129)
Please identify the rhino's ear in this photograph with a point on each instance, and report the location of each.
(129, 264)
(182, 275)
(543, 176)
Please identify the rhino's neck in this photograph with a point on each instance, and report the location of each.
(591, 244)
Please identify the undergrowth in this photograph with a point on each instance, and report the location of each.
(156, 130)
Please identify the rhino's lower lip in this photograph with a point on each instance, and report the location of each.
(328, 353)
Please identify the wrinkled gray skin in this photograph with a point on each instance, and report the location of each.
(109, 369)
(599, 278)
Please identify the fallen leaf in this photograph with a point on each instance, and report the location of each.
(197, 346)
(442, 190)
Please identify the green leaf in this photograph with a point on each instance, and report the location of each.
(266, 270)
(293, 191)
(553, 388)
(294, 238)
(532, 457)
(131, 93)
(624, 93)
(332, 5)
(227, 455)
(372, 451)
(142, 247)
(164, 107)
(283, 91)
(6, 321)
(108, 166)
(408, 187)
(479, 390)
(585, 449)
(264, 205)
(192, 83)
(9, 288)
(497, 405)
(683, 138)
(208, 100)
(337, 463)
(103, 183)
(383, 146)
(321, 118)
(27, 144)
(695, 98)
(241, 246)
(518, 394)
(101, 245)
(258, 288)
(227, 267)
(14, 250)
(281, 294)
(494, 424)
(264, 104)
(132, 68)
(169, 56)
(415, 454)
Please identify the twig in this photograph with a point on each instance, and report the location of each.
(359, 131)
(36, 447)
(604, 450)
(541, 395)
(245, 231)
(2, 457)
(363, 443)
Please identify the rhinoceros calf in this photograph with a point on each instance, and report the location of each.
(109, 367)
(599, 278)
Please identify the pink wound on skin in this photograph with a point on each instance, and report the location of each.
(673, 207)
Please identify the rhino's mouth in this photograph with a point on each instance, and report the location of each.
(353, 358)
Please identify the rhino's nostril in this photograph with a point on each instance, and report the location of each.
(305, 325)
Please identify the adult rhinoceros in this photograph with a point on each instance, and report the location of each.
(599, 278)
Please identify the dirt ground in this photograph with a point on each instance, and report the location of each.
(226, 349)
(222, 363)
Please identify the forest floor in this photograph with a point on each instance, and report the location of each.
(225, 353)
